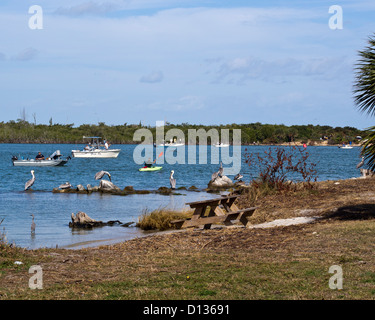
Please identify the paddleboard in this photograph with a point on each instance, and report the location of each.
(151, 169)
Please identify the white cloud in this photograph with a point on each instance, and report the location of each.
(241, 70)
(185, 103)
(26, 54)
(87, 8)
(153, 77)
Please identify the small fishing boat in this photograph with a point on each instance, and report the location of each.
(221, 145)
(150, 168)
(171, 143)
(346, 146)
(96, 149)
(53, 160)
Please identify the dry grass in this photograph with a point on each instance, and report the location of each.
(160, 219)
(325, 198)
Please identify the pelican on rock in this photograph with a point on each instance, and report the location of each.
(65, 185)
(360, 164)
(217, 174)
(29, 183)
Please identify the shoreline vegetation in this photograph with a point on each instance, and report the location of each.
(22, 131)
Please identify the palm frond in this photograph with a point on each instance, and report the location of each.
(368, 148)
(364, 86)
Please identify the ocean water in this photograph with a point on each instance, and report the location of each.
(53, 211)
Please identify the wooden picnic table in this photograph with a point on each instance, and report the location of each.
(221, 210)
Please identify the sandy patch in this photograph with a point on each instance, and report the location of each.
(285, 222)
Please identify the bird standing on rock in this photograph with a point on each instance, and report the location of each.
(221, 170)
(29, 183)
(217, 174)
(360, 164)
(65, 185)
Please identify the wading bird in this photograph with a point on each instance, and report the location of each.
(29, 183)
(360, 164)
(33, 225)
(217, 174)
(172, 181)
(101, 174)
(221, 170)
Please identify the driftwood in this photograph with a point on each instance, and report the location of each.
(82, 220)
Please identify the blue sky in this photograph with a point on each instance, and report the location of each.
(200, 62)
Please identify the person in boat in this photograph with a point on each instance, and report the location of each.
(39, 156)
(148, 163)
(106, 145)
(87, 147)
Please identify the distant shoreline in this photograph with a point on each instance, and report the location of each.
(297, 144)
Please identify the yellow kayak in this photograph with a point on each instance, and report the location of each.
(151, 169)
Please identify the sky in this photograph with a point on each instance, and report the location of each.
(198, 61)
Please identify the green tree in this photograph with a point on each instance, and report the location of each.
(364, 96)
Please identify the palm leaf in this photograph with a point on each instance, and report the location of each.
(364, 86)
(368, 148)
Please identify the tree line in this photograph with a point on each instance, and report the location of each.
(22, 131)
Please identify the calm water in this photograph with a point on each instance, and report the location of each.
(52, 211)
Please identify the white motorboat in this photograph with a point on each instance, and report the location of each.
(171, 143)
(96, 149)
(53, 160)
(346, 146)
(221, 145)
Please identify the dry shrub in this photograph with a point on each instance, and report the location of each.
(160, 219)
(278, 166)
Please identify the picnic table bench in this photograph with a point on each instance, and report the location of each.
(222, 210)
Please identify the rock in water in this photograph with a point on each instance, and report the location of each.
(81, 188)
(221, 183)
(82, 220)
(106, 185)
